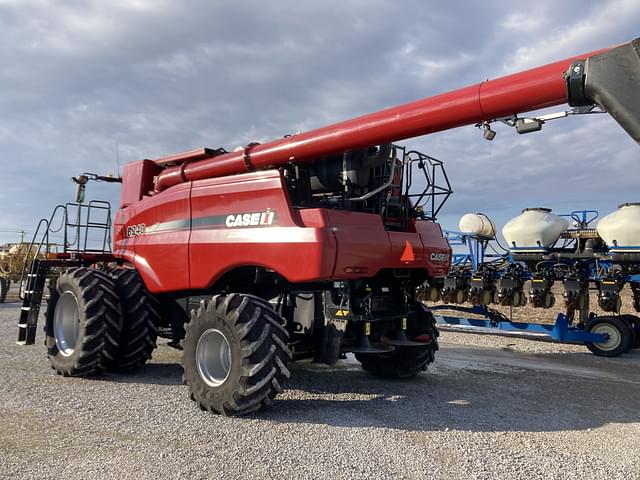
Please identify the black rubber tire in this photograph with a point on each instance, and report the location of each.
(259, 354)
(4, 289)
(100, 322)
(405, 362)
(141, 317)
(634, 324)
(625, 339)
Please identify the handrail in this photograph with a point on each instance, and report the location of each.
(80, 227)
(27, 257)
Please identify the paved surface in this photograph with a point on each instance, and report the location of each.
(489, 408)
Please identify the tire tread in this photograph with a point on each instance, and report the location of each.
(264, 352)
(102, 322)
(139, 333)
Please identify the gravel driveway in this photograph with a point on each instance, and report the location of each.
(489, 408)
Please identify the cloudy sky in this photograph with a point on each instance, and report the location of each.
(158, 77)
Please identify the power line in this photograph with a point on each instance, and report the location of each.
(22, 233)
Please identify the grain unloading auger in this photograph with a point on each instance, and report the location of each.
(311, 246)
(609, 78)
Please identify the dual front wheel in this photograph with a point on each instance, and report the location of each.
(98, 321)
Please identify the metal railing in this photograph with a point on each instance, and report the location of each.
(84, 228)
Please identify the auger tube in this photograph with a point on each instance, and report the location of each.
(525, 91)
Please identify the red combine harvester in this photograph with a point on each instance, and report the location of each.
(307, 247)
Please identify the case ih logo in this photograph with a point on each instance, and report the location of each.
(255, 219)
(439, 257)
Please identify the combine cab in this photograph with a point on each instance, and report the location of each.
(308, 247)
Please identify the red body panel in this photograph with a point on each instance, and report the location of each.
(299, 254)
(158, 241)
(139, 181)
(363, 243)
(434, 243)
(188, 240)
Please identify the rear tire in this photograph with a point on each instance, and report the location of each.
(403, 362)
(620, 336)
(4, 289)
(83, 322)
(235, 354)
(406, 362)
(141, 315)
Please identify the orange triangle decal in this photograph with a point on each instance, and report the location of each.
(407, 254)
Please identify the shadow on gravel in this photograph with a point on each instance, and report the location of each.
(150, 374)
(469, 400)
(483, 396)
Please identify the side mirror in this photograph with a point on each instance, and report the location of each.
(80, 192)
(81, 180)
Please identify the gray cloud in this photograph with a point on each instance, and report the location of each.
(163, 77)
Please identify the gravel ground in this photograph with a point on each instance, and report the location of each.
(489, 408)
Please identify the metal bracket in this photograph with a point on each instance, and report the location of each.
(534, 124)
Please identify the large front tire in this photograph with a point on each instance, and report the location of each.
(83, 322)
(141, 316)
(235, 355)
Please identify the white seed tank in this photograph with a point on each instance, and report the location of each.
(621, 229)
(534, 229)
(477, 224)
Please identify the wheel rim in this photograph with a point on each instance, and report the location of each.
(66, 323)
(213, 357)
(614, 334)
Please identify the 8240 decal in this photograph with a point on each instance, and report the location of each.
(135, 230)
